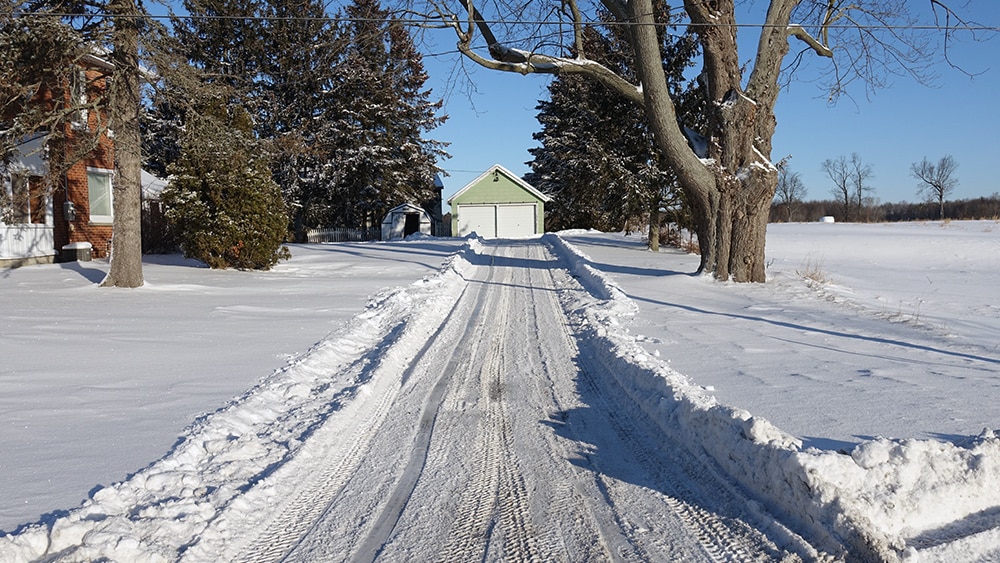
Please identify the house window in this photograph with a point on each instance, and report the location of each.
(37, 200)
(20, 199)
(99, 188)
(78, 93)
(28, 199)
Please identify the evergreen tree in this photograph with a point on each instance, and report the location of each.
(301, 105)
(221, 199)
(382, 156)
(215, 53)
(597, 157)
(224, 39)
(341, 109)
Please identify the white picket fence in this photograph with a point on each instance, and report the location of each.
(343, 235)
(26, 240)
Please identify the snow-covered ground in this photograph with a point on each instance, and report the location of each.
(900, 338)
(788, 387)
(96, 384)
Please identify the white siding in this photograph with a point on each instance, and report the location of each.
(26, 240)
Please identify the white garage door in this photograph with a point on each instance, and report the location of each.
(514, 220)
(481, 219)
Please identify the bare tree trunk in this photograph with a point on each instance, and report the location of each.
(654, 223)
(126, 245)
(694, 178)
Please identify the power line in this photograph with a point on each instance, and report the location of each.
(438, 22)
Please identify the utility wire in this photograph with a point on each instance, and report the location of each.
(426, 22)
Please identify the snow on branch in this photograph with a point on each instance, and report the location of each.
(801, 34)
(509, 59)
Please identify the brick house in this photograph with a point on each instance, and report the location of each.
(55, 218)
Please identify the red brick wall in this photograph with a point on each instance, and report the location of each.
(82, 229)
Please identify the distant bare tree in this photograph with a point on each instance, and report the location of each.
(839, 173)
(850, 183)
(790, 191)
(860, 174)
(937, 181)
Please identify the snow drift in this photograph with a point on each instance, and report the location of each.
(873, 503)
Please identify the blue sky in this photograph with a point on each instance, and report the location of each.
(899, 125)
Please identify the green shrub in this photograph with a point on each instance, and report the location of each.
(221, 200)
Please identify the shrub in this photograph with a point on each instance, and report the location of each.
(221, 200)
(812, 270)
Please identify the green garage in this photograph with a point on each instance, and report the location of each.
(498, 204)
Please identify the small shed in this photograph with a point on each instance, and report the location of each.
(404, 220)
(498, 204)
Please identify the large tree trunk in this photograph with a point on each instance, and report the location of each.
(126, 245)
(693, 176)
(730, 190)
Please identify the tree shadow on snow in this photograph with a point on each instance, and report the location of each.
(824, 331)
(499, 261)
(828, 444)
(392, 251)
(972, 524)
(47, 520)
(636, 271)
(92, 274)
(617, 441)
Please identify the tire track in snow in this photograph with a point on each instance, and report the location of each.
(550, 319)
(495, 505)
(389, 515)
(312, 499)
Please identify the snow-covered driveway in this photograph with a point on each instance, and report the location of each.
(499, 440)
(464, 420)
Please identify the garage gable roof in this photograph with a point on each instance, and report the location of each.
(510, 176)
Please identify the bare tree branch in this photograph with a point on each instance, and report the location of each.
(510, 59)
(798, 32)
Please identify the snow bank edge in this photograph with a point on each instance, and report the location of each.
(862, 505)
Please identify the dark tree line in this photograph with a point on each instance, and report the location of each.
(962, 209)
(337, 103)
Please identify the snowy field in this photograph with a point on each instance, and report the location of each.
(854, 395)
(899, 338)
(96, 384)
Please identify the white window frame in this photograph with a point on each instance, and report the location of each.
(78, 95)
(101, 219)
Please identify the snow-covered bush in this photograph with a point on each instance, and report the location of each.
(221, 200)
